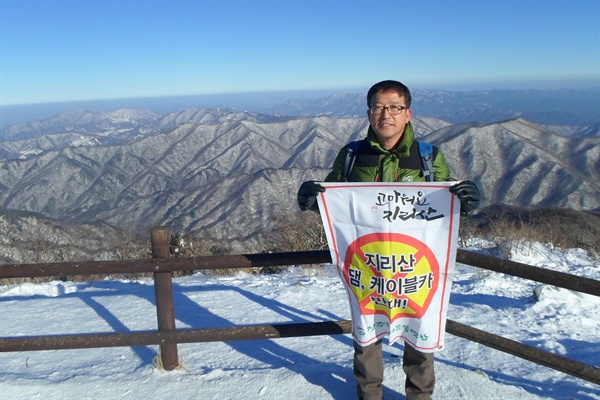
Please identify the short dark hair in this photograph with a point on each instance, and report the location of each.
(386, 86)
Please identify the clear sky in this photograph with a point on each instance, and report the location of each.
(85, 50)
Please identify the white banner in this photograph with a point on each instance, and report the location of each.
(395, 246)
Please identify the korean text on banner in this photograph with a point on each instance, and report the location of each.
(395, 246)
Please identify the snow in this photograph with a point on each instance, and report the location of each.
(25, 154)
(84, 141)
(320, 367)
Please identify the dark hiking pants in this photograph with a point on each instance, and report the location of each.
(368, 372)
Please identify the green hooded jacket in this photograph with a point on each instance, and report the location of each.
(376, 164)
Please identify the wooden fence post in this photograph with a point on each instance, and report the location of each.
(163, 289)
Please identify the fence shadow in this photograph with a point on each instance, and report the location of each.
(268, 352)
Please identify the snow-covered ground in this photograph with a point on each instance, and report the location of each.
(557, 320)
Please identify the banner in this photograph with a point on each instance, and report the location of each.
(395, 246)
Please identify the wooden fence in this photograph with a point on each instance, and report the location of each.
(167, 336)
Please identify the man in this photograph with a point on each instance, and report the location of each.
(389, 153)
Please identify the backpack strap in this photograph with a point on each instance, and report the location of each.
(351, 152)
(426, 152)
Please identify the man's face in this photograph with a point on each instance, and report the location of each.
(388, 128)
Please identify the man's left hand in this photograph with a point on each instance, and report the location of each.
(468, 194)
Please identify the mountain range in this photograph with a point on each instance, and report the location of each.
(560, 106)
(230, 173)
(548, 107)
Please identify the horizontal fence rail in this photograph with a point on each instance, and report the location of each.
(258, 332)
(537, 274)
(163, 265)
(167, 337)
(146, 338)
(530, 353)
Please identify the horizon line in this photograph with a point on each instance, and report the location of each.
(296, 91)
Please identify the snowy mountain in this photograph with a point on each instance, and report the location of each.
(229, 173)
(86, 122)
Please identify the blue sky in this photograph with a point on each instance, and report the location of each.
(53, 51)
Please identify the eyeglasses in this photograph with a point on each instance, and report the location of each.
(393, 110)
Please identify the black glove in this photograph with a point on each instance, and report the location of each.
(307, 195)
(468, 194)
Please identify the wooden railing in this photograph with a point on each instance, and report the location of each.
(167, 336)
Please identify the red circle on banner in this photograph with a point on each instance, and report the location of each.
(391, 274)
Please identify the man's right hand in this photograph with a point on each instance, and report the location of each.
(307, 195)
